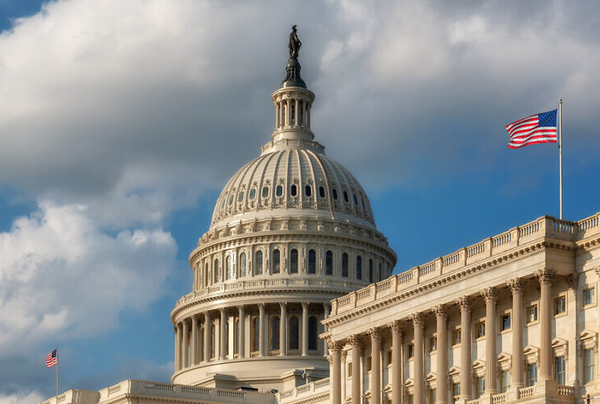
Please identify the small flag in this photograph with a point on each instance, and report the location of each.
(538, 128)
(52, 359)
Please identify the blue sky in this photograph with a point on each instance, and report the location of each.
(121, 121)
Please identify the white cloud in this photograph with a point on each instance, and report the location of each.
(32, 397)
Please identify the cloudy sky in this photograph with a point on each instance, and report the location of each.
(117, 120)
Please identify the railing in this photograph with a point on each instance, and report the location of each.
(526, 392)
(304, 388)
(197, 390)
(231, 394)
(322, 383)
(286, 394)
(499, 398)
(566, 390)
(156, 386)
(521, 235)
(476, 401)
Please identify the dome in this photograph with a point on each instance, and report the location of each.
(294, 181)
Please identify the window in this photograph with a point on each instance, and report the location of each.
(363, 203)
(358, 267)
(313, 331)
(345, 265)
(228, 268)
(456, 337)
(213, 339)
(346, 197)
(432, 396)
(236, 337)
(388, 356)
(369, 363)
(379, 273)
(206, 275)
(560, 370)
(294, 261)
(433, 344)
(322, 192)
(455, 392)
(370, 271)
(560, 305)
(294, 190)
(312, 262)
(274, 333)
(308, 191)
(242, 264)
(532, 314)
(231, 199)
(588, 365)
(294, 330)
(355, 200)
(241, 196)
(350, 369)
(505, 322)
(588, 296)
(505, 381)
(410, 350)
(279, 190)
(216, 271)
(265, 192)
(259, 263)
(223, 204)
(328, 263)
(252, 194)
(480, 386)
(531, 374)
(480, 329)
(226, 353)
(276, 262)
(334, 193)
(255, 334)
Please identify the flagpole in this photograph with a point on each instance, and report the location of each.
(560, 158)
(57, 365)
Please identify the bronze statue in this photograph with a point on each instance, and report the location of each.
(295, 44)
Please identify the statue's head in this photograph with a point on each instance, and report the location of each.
(294, 28)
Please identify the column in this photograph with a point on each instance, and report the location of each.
(177, 347)
(325, 315)
(419, 377)
(396, 362)
(375, 335)
(261, 331)
(304, 329)
(288, 117)
(307, 116)
(184, 348)
(355, 342)
(516, 372)
(207, 340)
(297, 113)
(276, 114)
(336, 371)
(442, 354)
(283, 329)
(194, 345)
(222, 335)
(545, 277)
(241, 331)
(465, 347)
(491, 368)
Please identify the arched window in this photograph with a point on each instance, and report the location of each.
(206, 275)
(276, 264)
(279, 190)
(255, 334)
(258, 265)
(334, 193)
(274, 333)
(294, 261)
(307, 190)
(242, 264)
(345, 265)
(346, 197)
(312, 262)
(322, 192)
(228, 268)
(312, 333)
(379, 273)
(294, 190)
(358, 267)
(216, 271)
(213, 338)
(241, 196)
(294, 333)
(355, 200)
(370, 271)
(231, 199)
(265, 192)
(252, 194)
(328, 263)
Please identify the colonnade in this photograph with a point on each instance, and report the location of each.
(284, 117)
(205, 337)
(416, 321)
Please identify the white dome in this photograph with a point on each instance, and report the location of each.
(293, 181)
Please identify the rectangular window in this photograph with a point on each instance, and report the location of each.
(560, 305)
(456, 337)
(480, 329)
(505, 381)
(369, 363)
(389, 356)
(433, 344)
(559, 370)
(531, 374)
(588, 296)
(589, 365)
(350, 369)
(455, 392)
(410, 399)
(410, 350)
(532, 314)
(432, 396)
(480, 383)
(505, 322)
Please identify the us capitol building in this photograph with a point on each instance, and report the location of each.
(294, 301)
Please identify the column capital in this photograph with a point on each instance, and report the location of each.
(355, 340)
(395, 326)
(439, 310)
(489, 294)
(417, 319)
(545, 275)
(375, 334)
(335, 345)
(261, 306)
(282, 304)
(515, 285)
(241, 307)
(464, 303)
(304, 305)
(222, 310)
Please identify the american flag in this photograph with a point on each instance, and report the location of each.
(52, 359)
(538, 128)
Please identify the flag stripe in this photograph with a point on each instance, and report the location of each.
(530, 130)
(52, 359)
